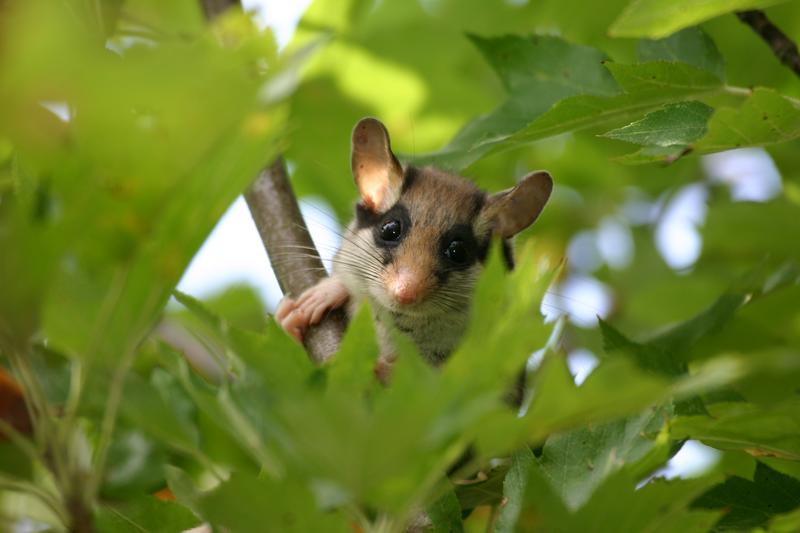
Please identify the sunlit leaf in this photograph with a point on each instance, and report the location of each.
(674, 124)
(764, 118)
(659, 18)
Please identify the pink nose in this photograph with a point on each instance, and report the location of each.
(405, 295)
(405, 288)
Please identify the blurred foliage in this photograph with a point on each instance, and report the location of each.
(127, 127)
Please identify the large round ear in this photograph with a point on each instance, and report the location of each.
(377, 172)
(511, 211)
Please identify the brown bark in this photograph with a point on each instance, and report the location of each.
(277, 216)
(782, 46)
(280, 224)
(214, 8)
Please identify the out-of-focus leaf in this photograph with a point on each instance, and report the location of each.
(145, 513)
(537, 72)
(659, 18)
(647, 86)
(245, 503)
(135, 464)
(668, 352)
(785, 523)
(766, 117)
(660, 506)
(156, 409)
(691, 45)
(132, 196)
(352, 368)
(750, 504)
(558, 404)
(393, 52)
(762, 431)
(178, 17)
(761, 229)
(239, 305)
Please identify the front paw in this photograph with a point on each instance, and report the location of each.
(296, 316)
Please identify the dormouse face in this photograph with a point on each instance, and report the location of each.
(421, 234)
(429, 245)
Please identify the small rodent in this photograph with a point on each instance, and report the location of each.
(415, 248)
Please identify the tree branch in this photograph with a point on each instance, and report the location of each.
(280, 224)
(782, 46)
(214, 8)
(277, 216)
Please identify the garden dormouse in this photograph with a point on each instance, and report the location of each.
(415, 247)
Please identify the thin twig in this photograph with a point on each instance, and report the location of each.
(782, 46)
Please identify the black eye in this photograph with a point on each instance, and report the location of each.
(391, 230)
(456, 252)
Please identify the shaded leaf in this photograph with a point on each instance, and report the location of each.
(762, 431)
(145, 514)
(245, 503)
(764, 118)
(690, 45)
(751, 504)
(514, 487)
(445, 514)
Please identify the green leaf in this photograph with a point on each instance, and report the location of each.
(659, 18)
(750, 504)
(647, 86)
(547, 66)
(514, 486)
(761, 229)
(487, 491)
(136, 194)
(653, 154)
(785, 523)
(764, 118)
(577, 462)
(537, 72)
(144, 514)
(691, 45)
(770, 431)
(659, 505)
(353, 367)
(244, 503)
(156, 409)
(558, 404)
(445, 514)
(674, 124)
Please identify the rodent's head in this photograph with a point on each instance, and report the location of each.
(421, 235)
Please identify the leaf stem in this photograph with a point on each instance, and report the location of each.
(42, 495)
(19, 440)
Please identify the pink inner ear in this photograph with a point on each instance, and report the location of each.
(372, 193)
(372, 182)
